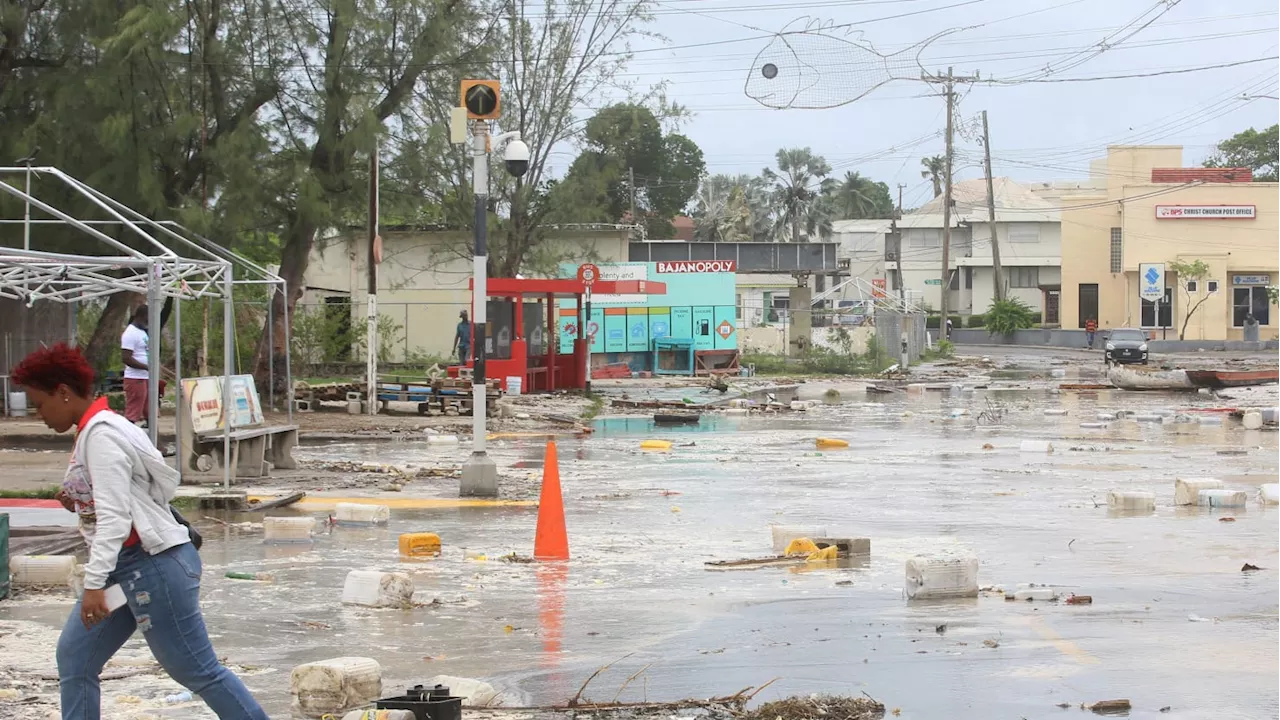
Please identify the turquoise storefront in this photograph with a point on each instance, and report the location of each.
(698, 306)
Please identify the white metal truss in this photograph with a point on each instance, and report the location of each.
(870, 296)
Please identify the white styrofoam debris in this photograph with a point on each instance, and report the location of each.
(374, 588)
(1131, 500)
(1270, 493)
(1220, 497)
(943, 575)
(287, 529)
(1209, 420)
(442, 440)
(1187, 491)
(334, 686)
(42, 570)
(474, 693)
(361, 514)
(1094, 425)
(1055, 412)
(1106, 417)
(1252, 420)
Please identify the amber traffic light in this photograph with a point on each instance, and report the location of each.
(482, 99)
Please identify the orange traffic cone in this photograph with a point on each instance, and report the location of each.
(551, 541)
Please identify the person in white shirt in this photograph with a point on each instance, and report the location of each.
(135, 350)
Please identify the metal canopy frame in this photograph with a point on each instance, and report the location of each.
(151, 266)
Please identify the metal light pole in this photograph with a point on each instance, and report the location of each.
(479, 473)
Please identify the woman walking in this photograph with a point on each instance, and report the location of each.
(120, 486)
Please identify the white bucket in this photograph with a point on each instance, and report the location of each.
(1132, 500)
(1187, 492)
(374, 588)
(287, 529)
(942, 576)
(333, 686)
(515, 384)
(42, 570)
(1252, 420)
(360, 514)
(17, 406)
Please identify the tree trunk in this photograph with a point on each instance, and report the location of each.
(112, 322)
(293, 268)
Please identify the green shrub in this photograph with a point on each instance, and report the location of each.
(977, 321)
(1008, 316)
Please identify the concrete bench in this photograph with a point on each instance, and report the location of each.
(255, 447)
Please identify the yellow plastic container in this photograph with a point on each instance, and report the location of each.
(422, 544)
(801, 546)
(830, 443)
(655, 445)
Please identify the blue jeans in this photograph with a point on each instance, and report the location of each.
(163, 592)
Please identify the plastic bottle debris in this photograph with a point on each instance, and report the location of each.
(1133, 500)
(655, 444)
(258, 576)
(184, 696)
(1187, 491)
(334, 686)
(1222, 498)
(1106, 417)
(1055, 412)
(1032, 592)
(831, 443)
(1036, 446)
(361, 514)
(1148, 418)
(1094, 425)
(1212, 420)
(943, 575)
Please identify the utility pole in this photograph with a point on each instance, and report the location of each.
(375, 256)
(946, 208)
(897, 252)
(631, 175)
(997, 273)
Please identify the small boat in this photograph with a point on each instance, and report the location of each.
(1217, 379)
(676, 418)
(1137, 378)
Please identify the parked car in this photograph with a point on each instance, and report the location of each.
(1127, 346)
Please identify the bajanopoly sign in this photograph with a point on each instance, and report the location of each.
(697, 266)
(1206, 212)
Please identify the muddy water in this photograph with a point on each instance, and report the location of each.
(1174, 622)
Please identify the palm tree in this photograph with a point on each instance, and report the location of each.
(859, 197)
(728, 207)
(934, 168)
(798, 187)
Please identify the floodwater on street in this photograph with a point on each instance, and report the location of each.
(1174, 622)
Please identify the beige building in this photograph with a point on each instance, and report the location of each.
(423, 283)
(1147, 208)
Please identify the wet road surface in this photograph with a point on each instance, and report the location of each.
(1175, 623)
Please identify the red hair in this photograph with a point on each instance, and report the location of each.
(47, 368)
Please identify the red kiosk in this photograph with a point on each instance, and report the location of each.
(521, 310)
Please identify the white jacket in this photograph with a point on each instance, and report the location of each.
(132, 488)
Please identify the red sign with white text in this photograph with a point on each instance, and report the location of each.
(697, 266)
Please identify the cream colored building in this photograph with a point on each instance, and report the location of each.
(423, 281)
(1152, 210)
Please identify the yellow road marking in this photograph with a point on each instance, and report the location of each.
(1066, 647)
(328, 503)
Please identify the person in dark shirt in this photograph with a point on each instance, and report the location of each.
(462, 338)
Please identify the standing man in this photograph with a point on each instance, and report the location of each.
(1090, 331)
(135, 350)
(462, 338)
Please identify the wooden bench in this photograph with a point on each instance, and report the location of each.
(255, 447)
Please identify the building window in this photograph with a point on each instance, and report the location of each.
(1117, 251)
(1246, 300)
(1024, 277)
(1193, 286)
(1165, 320)
(924, 238)
(737, 303)
(968, 278)
(1024, 233)
(1213, 286)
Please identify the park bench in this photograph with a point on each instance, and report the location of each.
(256, 447)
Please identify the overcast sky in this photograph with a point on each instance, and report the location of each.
(1043, 131)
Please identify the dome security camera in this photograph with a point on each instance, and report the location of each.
(516, 156)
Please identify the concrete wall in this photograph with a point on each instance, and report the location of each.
(423, 278)
(773, 340)
(1077, 339)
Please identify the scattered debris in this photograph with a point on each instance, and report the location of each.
(1080, 600)
(1110, 707)
(516, 558)
(274, 504)
(991, 643)
(1249, 568)
(1226, 519)
(827, 707)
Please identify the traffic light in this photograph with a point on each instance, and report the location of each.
(482, 99)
